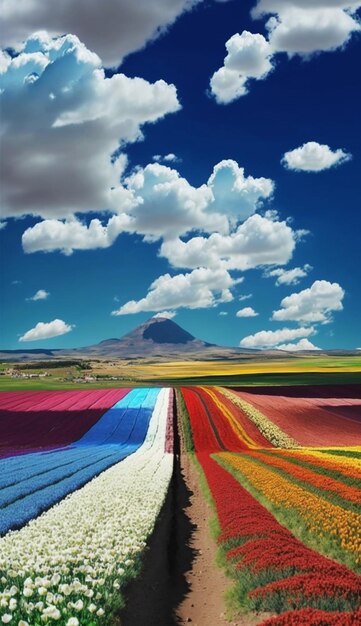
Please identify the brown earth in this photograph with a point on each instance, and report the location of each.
(204, 604)
(180, 582)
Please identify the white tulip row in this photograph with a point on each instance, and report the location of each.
(69, 564)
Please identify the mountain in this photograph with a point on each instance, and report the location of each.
(159, 338)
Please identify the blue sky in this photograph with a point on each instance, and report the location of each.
(92, 248)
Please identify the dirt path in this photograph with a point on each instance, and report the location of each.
(180, 582)
(204, 603)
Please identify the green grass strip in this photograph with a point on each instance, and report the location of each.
(352, 454)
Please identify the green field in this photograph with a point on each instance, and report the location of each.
(255, 379)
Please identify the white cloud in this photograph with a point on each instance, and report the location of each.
(304, 31)
(158, 202)
(62, 121)
(315, 304)
(302, 344)
(46, 330)
(272, 338)
(246, 296)
(167, 314)
(249, 56)
(227, 85)
(167, 158)
(41, 294)
(302, 27)
(289, 277)
(223, 313)
(168, 205)
(202, 288)
(113, 28)
(50, 235)
(314, 157)
(246, 312)
(258, 241)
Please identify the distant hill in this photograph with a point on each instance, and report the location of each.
(159, 338)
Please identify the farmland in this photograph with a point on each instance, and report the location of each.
(85, 481)
(253, 371)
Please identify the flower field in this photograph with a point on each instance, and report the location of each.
(84, 475)
(47, 419)
(316, 421)
(70, 563)
(289, 517)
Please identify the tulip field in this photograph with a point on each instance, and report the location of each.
(84, 476)
(288, 517)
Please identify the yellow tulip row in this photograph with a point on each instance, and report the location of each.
(348, 466)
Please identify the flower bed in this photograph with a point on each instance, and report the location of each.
(71, 563)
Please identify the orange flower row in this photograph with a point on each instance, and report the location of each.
(349, 467)
(321, 517)
(319, 481)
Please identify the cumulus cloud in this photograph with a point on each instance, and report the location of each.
(258, 241)
(315, 304)
(302, 27)
(246, 312)
(271, 338)
(113, 28)
(314, 157)
(288, 277)
(302, 344)
(62, 120)
(50, 235)
(202, 288)
(46, 330)
(160, 203)
(249, 57)
(223, 313)
(245, 296)
(167, 314)
(304, 31)
(41, 294)
(168, 205)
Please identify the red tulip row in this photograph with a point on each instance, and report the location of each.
(282, 573)
(218, 424)
(203, 435)
(313, 617)
(273, 569)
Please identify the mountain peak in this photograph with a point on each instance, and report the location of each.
(164, 330)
